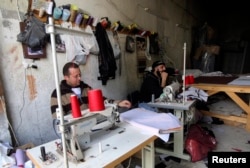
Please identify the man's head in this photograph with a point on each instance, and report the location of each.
(158, 66)
(72, 74)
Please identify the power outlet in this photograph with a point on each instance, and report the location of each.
(29, 65)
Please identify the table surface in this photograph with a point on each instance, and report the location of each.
(116, 147)
(173, 105)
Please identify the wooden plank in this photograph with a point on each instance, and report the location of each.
(239, 102)
(210, 93)
(225, 117)
(231, 91)
(223, 88)
(248, 123)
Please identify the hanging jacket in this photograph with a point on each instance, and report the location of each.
(107, 63)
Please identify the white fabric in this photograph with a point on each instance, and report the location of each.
(79, 47)
(153, 122)
(77, 91)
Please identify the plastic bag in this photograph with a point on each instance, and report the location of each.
(34, 34)
(199, 142)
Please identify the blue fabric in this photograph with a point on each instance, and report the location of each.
(147, 107)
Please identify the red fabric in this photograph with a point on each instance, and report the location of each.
(199, 142)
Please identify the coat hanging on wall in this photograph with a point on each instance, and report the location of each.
(107, 63)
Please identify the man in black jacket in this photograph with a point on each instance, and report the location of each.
(154, 82)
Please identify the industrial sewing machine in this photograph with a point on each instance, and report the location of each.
(170, 92)
(80, 131)
(169, 96)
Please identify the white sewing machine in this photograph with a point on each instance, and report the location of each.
(170, 92)
(79, 131)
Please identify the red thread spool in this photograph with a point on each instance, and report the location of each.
(191, 79)
(95, 100)
(187, 80)
(75, 107)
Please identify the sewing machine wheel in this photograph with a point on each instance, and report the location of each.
(189, 115)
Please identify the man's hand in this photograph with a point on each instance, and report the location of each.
(164, 76)
(124, 103)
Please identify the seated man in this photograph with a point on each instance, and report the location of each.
(72, 84)
(153, 84)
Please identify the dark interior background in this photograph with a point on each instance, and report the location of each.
(230, 23)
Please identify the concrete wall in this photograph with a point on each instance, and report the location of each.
(27, 91)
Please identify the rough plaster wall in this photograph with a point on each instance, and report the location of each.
(28, 90)
(4, 133)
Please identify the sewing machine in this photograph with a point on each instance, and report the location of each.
(170, 92)
(80, 131)
(170, 96)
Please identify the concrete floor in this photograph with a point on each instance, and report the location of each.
(229, 138)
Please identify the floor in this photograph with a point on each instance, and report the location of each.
(229, 138)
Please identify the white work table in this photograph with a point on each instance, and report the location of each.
(180, 110)
(116, 147)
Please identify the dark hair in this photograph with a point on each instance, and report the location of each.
(67, 66)
(157, 63)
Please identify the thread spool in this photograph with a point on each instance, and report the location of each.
(75, 107)
(20, 157)
(187, 80)
(73, 12)
(65, 15)
(89, 22)
(191, 79)
(57, 13)
(85, 20)
(78, 19)
(95, 99)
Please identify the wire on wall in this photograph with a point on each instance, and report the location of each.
(21, 109)
(18, 12)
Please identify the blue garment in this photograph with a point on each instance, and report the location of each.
(147, 107)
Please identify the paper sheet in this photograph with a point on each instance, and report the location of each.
(152, 122)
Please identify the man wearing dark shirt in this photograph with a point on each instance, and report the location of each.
(154, 82)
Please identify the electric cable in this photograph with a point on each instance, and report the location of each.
(21, 109)
(18, 10)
